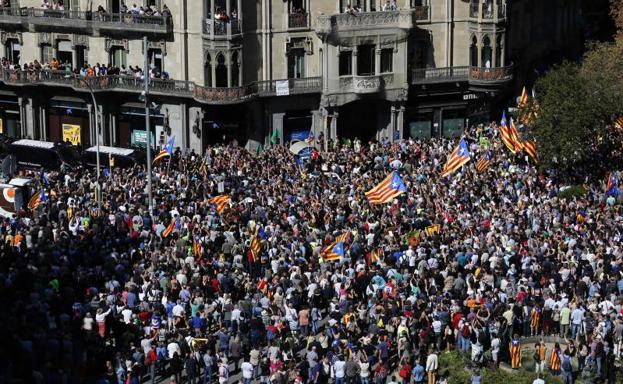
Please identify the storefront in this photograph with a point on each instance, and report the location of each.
(131, 132)
(10, 122)
(69, 121)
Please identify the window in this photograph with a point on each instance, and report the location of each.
(221, 71)
(12, 50)
(65, 52)
(486, 52)
(118, 57)
(81, 56)
(208, 71)
(473, 52)
(365, 60)
(346, 63)
(47, 53)
(155, 59)
(235, 70)
(499, 46)
(296, 63)
(387, 58)
(115, 6)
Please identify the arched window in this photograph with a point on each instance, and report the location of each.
(473, 52)
(235, 70)
(221, 71)
(208, 71)
(486, 52)
(499, 48)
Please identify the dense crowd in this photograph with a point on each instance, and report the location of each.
(109, 298)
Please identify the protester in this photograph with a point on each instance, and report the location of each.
(197, 290)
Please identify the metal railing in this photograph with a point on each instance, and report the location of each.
(462, 73)
(164, 87)
(298, 20)
(96, 20)
(213, 27)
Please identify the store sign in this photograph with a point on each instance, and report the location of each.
(282, 87)
(71, 133)
(470, 96)
(139, 138)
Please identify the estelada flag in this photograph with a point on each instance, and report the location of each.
(220, 202)
(169, 229)
(255, 248)
(530, 147)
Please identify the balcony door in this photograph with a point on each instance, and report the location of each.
(64, 52)
(296, 63)
(12, 50)
(365, 60)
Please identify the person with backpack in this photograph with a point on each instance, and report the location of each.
(566, 368)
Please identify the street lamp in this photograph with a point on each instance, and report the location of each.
(98, 186)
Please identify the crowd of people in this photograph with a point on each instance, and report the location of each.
(86, 70)
(243, 291)
(152, 10)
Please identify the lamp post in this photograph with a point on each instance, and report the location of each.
(147, 125)
(98, 186)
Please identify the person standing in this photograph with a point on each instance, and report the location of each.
(554, 360)
(247, 372)
(566, 367)
(418, 373)
(540, 351)
(191, 368)
(431, 366)
(515, 352)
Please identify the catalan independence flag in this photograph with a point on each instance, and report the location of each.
(169, 229)
(333, 252)
(484, 162)
(612, 187)
(618, 122)
(165, 152)
(515, 136)
(530, 147)
(374, 256)
(255, 248)
(37, 199)
(523, 99)
(459, 157)
(392, 186)
(220, 202)
(506, 135)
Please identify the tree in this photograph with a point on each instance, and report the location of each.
(576, 103)
(616, 12)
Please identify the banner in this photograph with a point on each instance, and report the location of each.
(282, 87)
(71, 133)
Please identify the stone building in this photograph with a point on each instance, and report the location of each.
(245, 69)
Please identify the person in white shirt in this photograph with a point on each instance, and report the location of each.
(339, 370)
(247, 372)
(431, 366)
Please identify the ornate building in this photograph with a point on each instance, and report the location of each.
(245, 69)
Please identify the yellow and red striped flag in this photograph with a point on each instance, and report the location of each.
(530, 147)
(459, 157)
(220, 202)
(484, 162)
(385, 191)
(255, 248)
(169, 229)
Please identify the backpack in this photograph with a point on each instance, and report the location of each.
(465, 331)
(566, 363)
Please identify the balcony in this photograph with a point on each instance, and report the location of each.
(159, 87)
(477, 76)
(221, 30)
(347, 23)
(92, 23)
(298, 20)
(366, 84)
(488, 11)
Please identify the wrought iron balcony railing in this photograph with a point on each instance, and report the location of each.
(298, 20)
(164, 87)
(476, 75)
(221, 29)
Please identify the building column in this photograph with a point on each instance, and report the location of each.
(43, 124)
(112, 132)
(228, 65)
(22, 116)
(377, 61)
(228, 12)
(278, 126)
(92, 132)
(400, 121)
(353, 61)
(316, 127)
(213, 69)
(479, 48)
(333, 127)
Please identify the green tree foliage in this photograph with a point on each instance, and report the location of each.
(576, 103)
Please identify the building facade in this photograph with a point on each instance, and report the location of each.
(261, 69)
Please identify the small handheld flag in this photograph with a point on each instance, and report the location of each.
(37, 199)
(334, 252)
(255, 248)
(392, 186)
(523, 99)
(459, 157)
